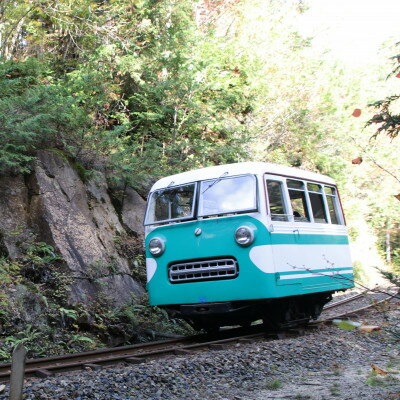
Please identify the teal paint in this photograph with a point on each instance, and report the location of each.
(304, 239)
(314, 271)
(217, 240)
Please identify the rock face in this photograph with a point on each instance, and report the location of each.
(133, 210)
(79, 220)
(14, 229)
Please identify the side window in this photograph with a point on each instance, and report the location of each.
(317, 203)
(331, 199)
(276, 202)
(298, 201)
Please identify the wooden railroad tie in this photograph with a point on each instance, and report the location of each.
(182, 352)
(135, 360)
(246, 340)
(216, 346)
(43, 373)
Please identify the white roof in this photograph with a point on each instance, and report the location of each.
(257, 168)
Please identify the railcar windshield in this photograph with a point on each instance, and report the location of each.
(171, 204)
(228, 195)
(217, 196)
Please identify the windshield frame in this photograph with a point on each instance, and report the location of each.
(232, 212)
(196, 201)
(166, 221)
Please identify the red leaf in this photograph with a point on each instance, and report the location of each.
(357, 160)
(378, 370)
(398, 75)
(356, 112)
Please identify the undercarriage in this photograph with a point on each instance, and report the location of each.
(275, 313)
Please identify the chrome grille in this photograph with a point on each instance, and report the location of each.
(203, 270)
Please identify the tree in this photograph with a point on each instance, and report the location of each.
(34, 113)
(155, 89)
(387, 117)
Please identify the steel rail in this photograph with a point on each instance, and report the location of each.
(131, 354)
(344, 301)
(85, 357)
(141, 352)
(356, 311)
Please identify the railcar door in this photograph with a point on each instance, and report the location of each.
(284, 235)
(309, 239)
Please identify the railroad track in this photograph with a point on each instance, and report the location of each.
(133, 354)
(345, 301)
(359, 309)
(139, 353)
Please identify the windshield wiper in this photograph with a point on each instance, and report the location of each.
(214, 182)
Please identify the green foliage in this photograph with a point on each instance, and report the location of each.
(144, 89)
(387, 121)
(274, 384)
(387, 117)
(162, 94)
(28, 336)
(358, 271)
(392, 277)
(376, 380)
(158, 97)
(131, 247)
(41, 253)
(33, 311)
(9, 276)
(34, 308)
(35, 113)
(80, 339)
(136, 322)
(334, 389)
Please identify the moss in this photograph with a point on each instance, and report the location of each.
(83, 173)
(34, 309)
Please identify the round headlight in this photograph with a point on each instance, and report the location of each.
(244, 236)
(156, 246)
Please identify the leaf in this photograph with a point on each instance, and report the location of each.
(346, 325)
(370, 328)
(357, 160)
(378, 370)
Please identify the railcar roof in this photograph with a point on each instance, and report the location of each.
(257, 168)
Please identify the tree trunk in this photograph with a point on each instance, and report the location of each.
(387, 244)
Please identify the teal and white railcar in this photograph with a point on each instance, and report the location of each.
(234, 243)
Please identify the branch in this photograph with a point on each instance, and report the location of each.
(375, 162)
(17, 25)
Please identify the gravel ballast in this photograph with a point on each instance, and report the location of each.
(325, 363)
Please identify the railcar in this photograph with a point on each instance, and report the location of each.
(236, 243)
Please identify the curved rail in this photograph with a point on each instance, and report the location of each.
(344, 301)
(358, 310)
(139, 353)
(133, 354)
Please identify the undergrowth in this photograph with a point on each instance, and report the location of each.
(35, 310)
(393, 276)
